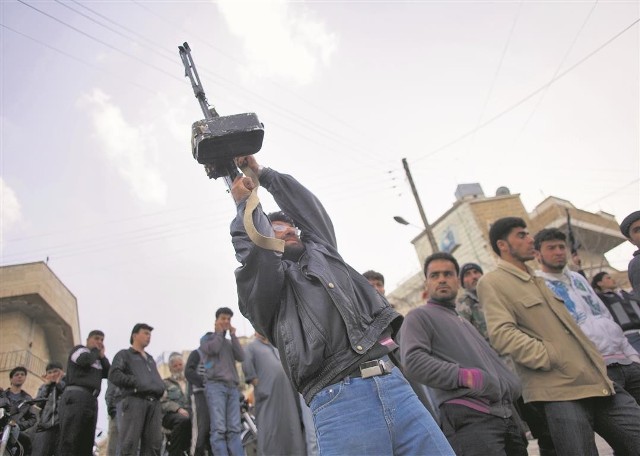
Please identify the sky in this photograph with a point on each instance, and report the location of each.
(96, 171)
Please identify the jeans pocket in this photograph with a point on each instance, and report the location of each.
(325, 397)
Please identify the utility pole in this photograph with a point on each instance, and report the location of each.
(427, 227)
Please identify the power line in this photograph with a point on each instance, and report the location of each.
(77, 59)
(114, 48)
(528, 97)
(562, 61)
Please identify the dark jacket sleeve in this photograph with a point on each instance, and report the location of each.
(260, 277)
(119, 373)
(191, 370)
(87, 358)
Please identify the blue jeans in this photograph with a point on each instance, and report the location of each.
(377, 415)
(224, 409)
(615, 418)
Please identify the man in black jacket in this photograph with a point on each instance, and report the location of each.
(194, 371)
(16, 395)
(78, 409)
(45, 440)
(333, 330)
(138, 412)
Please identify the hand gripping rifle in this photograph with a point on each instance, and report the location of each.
(216, 141)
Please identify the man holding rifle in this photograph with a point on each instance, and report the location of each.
(332, 329)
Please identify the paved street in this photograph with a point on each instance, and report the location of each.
(603, 448)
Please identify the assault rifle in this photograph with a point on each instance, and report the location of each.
(217, 140)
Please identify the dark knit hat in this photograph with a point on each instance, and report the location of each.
(468, 267)
(628, 221)
(280, 216)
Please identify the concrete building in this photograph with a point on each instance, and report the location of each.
(38, 321)
(463, 231)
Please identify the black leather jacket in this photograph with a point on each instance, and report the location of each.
(135, 375)
(321, 314)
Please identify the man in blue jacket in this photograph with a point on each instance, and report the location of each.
(333, 330)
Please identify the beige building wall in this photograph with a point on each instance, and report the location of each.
(463, 231)
(38, 321)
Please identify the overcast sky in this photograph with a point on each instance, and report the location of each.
(97, 173)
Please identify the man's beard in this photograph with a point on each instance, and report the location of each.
(293, 252)
(519, 257)
(553, 267)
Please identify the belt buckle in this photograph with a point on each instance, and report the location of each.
(373, 368)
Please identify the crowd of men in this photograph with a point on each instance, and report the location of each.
(518, 349)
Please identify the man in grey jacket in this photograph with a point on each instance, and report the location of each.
(473, 388)
(221, 387)
(333, 330)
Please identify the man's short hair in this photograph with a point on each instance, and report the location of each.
(17, 369)
(441, 256)
(501, 228)
(224, 311)
(469, 267)
(373, 275)
(597, 279)
(53, 365)
(95, 332)
(625, 226)
(137, 328)
(548, 234)
(280, 216)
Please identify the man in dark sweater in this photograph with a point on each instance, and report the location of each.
(473, 388)
(78, 410)
(138, 412)
(221, 387)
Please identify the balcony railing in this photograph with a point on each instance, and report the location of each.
(25, 358)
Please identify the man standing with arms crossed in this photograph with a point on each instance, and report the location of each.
(78, 410)
(221, 387)
(561, 370)
(333, 330)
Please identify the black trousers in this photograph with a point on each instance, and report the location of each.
(180, 437)
(45, 443)
(78, 413)
(139, 426)
(203, 444)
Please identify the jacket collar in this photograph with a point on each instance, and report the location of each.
(513, 270)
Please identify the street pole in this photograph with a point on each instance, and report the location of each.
(427, 227)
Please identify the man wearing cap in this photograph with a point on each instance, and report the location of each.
(45, 440)
(332, 329)
(138, 411)
(630, 228)
(78, 410)
(468, 306)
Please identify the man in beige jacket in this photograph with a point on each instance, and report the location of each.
(561, 371)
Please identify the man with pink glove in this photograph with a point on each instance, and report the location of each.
(472, 386)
